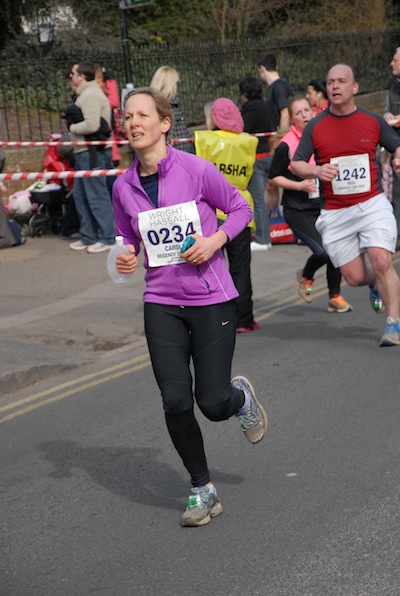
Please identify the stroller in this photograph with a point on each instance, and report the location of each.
(55, 206)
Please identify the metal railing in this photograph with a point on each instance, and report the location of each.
(34, 90)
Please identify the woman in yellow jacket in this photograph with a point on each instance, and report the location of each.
(233, 152)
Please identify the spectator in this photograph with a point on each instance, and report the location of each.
(256, 120)
(225, 143)
(91, 196)
(189, 310)
(166, 80)
(301, 208)
(279, 94)
(357, 217)
(109, 86)
(317, 96)
(392, 116)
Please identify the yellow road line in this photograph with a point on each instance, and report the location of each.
(70, 392)
(124, 368)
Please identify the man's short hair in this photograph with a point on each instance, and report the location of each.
(269, 62)
(251, 87)
(87, 69)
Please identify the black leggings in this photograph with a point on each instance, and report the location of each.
(205, 334)
(302, 224)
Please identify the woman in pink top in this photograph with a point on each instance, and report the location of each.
(301, 208)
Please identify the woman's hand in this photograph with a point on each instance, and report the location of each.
(127, 263)
(204, 248)
(308, 185)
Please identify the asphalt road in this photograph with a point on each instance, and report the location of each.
(92, 490)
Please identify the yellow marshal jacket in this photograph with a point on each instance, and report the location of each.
(233, 154)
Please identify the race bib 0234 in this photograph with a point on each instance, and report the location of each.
(163, 231)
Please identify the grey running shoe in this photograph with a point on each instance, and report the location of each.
(391, 337)
(376, 300)
(305, 287)
(202, 506)
(254, 420)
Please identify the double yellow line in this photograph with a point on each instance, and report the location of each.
(59, 392)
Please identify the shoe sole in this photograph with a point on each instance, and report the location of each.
(263, 412)
(387, 343)
(338, 310)
(379, 311)
(305, 297)
(192, 523)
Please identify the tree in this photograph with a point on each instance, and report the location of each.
(235, 19)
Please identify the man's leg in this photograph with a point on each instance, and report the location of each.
(387, 280)
(257, 190)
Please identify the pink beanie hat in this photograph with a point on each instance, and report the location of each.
(226, 116)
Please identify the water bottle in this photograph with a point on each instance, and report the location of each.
(119, 248)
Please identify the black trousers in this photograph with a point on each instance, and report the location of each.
(302, 223)
(205, 336)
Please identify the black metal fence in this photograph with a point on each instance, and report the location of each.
(34, 90)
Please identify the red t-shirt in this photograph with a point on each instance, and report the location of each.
(351, 140)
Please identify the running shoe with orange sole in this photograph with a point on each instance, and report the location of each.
(339, 304)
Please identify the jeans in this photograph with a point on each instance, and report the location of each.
(93, 201)
(206, 335)
(396, 205)
(256, 188)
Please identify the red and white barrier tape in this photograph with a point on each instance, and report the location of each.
(60, 175)
(98, 143)
(58, 143)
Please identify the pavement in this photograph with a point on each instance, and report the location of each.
(59, 310)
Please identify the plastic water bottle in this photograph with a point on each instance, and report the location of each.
(119, 248)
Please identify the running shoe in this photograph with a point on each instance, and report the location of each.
(252, 416)
(338, 304)
(255, 327)
(305, 286)
(256, 246)
(376, 300)
(203, 504)
(391, 337)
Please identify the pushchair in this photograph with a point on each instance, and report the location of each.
(54, 201)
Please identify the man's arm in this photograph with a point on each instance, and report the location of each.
(303, 169)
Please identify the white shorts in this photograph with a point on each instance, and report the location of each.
(347, 232)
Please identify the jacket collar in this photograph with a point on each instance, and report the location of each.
(163, 166)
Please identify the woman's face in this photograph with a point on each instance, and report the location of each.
(143, 126)
(301, 113)
(312, 95)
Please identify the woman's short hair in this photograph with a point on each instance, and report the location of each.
(251, 87)
(162, 104)
(166, 80)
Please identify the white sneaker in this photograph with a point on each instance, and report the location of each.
(78, 245)
(99, 247)
(257, 246)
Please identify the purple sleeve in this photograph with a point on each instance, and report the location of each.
(220, 194)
